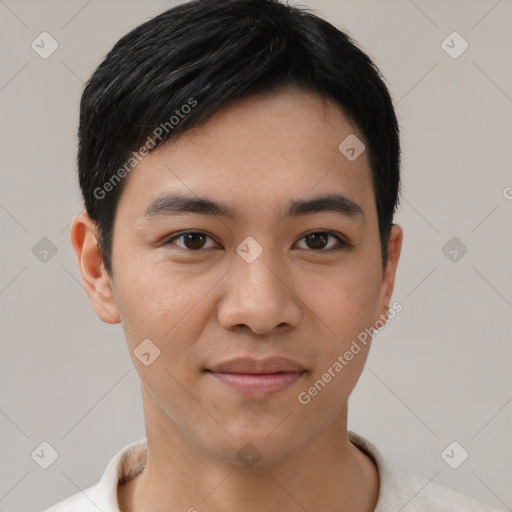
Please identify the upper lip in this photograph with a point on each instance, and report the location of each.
(258, 366)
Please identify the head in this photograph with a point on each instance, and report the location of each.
(230, 120)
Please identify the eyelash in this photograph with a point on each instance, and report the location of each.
(342, 244)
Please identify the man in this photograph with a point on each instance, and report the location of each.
(239, 162)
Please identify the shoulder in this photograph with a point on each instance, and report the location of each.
(125, 464)
(414, 493)
(407, 492)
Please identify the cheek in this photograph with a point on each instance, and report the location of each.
(343, 302)
(343, 307)
(163, 304)
(167, 308)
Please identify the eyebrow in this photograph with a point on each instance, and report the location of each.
(178, 204)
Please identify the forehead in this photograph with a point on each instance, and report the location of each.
(258, 151)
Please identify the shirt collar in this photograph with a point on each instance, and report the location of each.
(130, 461)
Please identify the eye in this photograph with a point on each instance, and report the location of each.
(191, 240)
(319, 241)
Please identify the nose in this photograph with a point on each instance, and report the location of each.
(260, 297)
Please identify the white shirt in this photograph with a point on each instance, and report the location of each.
(399, 490)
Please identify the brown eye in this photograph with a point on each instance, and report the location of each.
(194, 241)
(319, 241)
(191, 240)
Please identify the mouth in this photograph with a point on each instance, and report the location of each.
(258, 378)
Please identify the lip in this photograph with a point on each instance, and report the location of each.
(252, 366)
(258, 378)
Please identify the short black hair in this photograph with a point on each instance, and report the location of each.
(173, 72)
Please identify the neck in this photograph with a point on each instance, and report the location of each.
(330, 474)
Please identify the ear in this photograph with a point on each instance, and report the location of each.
(388, 276)
(96, 281)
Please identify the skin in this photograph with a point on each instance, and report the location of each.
(298, 300)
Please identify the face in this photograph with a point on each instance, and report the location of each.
(250, 298)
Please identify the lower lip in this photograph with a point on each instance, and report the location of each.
(260, 385)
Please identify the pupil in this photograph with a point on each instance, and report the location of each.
(318, 237)
(194, 240)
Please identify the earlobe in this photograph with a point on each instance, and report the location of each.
(95, 279)
(388, 276)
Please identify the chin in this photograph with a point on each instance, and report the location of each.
(261, 448)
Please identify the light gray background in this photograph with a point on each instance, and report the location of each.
(439, 372)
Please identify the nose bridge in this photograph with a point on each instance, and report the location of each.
(258, 294)
(257, 277)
